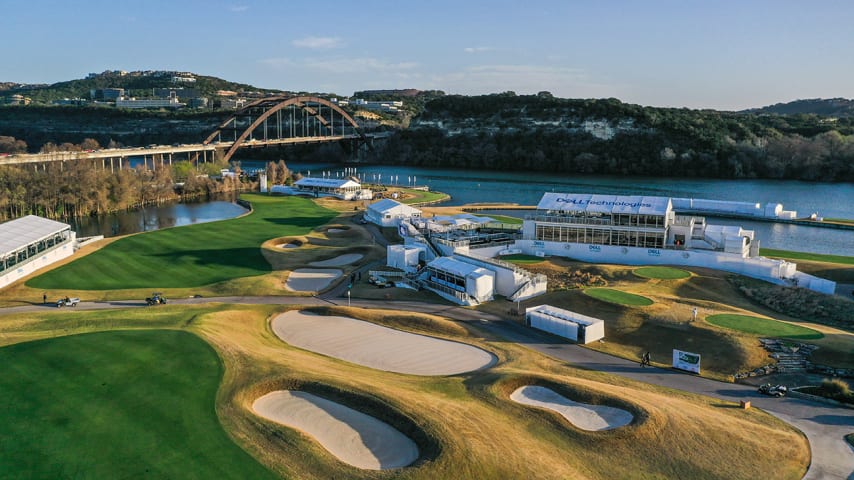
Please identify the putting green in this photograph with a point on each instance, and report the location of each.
(616, 296)
(661, 273)
(522, 259)
(193, 255)
(121, 404)
(763, 327)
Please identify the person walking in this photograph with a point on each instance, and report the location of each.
(44, 298)
(646, 359)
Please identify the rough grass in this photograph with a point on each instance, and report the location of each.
(467, 425)
(763, 327)
(411, 196)
(122, 404)
(661, 273)
(619, 297)
(192, 255)
(816, 257)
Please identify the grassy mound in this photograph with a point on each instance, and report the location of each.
(522, 259)
(661, 273)
(763, 326)
(122, 404)
(616, 296)
(193, 255)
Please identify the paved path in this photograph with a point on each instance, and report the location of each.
(824, 425)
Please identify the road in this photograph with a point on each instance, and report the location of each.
(825, 426)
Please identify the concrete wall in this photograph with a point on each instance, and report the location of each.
(770, 270)
(38, 262)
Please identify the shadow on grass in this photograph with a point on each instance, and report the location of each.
(305, 222)
(228, 257)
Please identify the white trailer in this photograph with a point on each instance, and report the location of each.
(565, 323)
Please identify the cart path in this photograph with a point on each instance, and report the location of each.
(825, 426)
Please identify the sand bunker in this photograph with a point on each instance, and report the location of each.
(353, 437)
(311, 279)
(378, 347)
(338, 261)
(582, 415)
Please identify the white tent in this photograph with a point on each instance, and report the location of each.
(388, 212)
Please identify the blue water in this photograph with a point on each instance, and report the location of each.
(155, 218)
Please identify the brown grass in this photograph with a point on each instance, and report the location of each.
(466, 425)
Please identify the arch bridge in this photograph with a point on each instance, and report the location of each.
(281, 120)
(269, 121)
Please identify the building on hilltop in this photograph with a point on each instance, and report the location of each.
(132, 102)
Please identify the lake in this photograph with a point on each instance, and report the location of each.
(155, 217)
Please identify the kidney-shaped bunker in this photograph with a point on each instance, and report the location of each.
(378, 347)
(582, 415)
(355, 438)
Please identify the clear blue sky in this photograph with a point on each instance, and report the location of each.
(692, 53)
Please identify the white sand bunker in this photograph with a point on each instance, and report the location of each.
(335, 230)
(353, 437)
(338, 261)
(378, 347)
(311, 279)
(582, 415)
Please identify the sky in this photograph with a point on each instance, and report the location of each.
(726, 55)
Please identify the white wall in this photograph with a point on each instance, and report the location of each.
(762, 268)
(18, 272)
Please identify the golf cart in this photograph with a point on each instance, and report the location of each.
(156, 298)
(67, 302)
(773, 390)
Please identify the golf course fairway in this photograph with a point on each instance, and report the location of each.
(192, 255)
(120, 404)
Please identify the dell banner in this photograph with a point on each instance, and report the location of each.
(690, 362)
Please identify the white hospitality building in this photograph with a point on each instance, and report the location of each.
(348, 188)
(389, 213)
(642, 230)
(30, 243)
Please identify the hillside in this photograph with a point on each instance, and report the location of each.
(827, 107)
(540, 132)
(138, 83)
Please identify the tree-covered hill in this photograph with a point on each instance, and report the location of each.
(138, 83)
(541, 132)
(829, 107)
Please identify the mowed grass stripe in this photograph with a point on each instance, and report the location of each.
(619, 297)
(763, 327)
(122, 404)
(192, 255)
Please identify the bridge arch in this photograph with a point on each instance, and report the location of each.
(259, 112)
